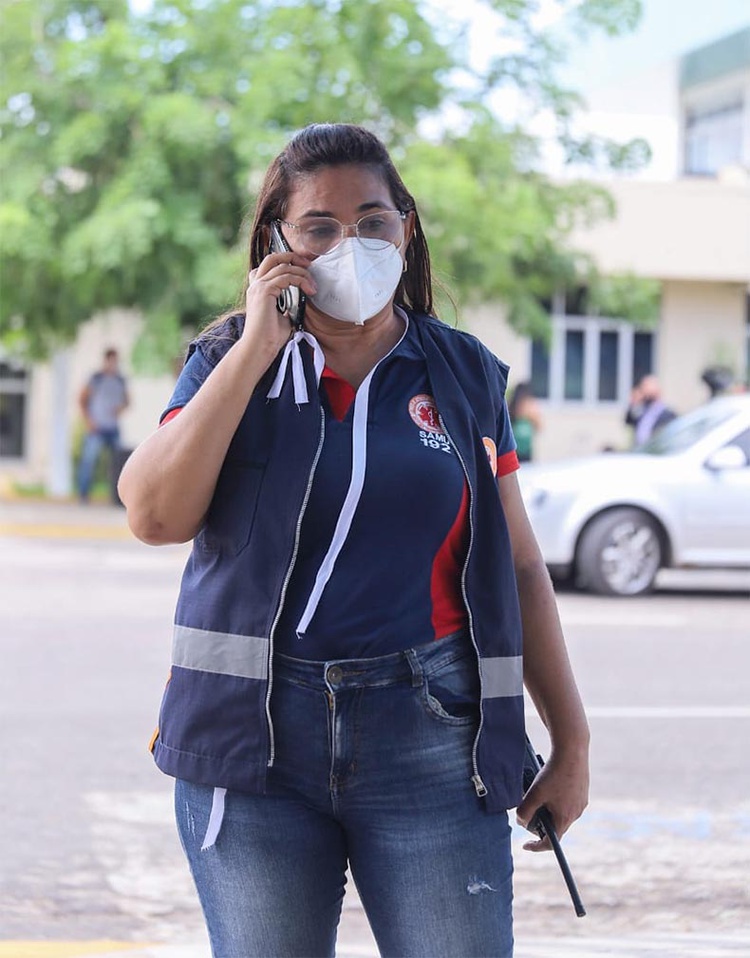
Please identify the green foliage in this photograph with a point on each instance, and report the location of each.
(627, 295)
(133, 143)
(615, 17)
(162, 338)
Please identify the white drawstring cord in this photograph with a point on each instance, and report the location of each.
(215, 818)
(298, 371)
(351, 501)
(349, 507)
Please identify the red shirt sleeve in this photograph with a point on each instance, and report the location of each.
(507, 463)
(170, 415)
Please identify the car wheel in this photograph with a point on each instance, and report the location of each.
(620, 553)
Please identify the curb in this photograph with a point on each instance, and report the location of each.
(62, 519)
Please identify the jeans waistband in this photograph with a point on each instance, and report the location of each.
(407, 666)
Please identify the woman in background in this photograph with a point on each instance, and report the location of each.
(526, 420)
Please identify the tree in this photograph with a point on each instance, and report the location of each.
(133, 143)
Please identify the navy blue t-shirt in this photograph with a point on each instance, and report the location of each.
(396, 581)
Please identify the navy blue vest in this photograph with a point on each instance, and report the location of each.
(215, 726)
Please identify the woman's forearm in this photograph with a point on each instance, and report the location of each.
(547, 672)
(548, 675)
(563, 784)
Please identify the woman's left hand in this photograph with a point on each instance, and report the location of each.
(562, 786)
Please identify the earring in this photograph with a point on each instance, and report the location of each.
(404, 268)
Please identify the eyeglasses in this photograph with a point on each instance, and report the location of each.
(320, 234)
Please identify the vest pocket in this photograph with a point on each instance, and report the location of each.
(230, 516)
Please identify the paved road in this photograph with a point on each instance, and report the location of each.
(88, 850)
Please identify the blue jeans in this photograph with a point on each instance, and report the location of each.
(93, 443)
(373, 769)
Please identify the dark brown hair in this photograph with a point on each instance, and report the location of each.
(322, 145)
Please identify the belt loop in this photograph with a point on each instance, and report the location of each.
(417, 676)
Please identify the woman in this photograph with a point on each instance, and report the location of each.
(346, 687)
(525, 420)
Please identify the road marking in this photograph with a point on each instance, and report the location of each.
(625, 620)
(65, 949)
(654, 711)
(636, 946)
(39, 531)
(630, 946)
(669, 711)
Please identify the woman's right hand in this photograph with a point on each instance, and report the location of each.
(265, 327)
(161, 508)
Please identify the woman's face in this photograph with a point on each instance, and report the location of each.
(345, 193)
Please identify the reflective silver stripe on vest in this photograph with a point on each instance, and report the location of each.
(221, 652)
(502, 676)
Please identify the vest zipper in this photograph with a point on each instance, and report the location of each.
(476, 778)
(285, 584)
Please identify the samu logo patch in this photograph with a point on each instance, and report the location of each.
(425, 415)
(491, 449)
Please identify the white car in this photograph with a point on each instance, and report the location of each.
(609, 522)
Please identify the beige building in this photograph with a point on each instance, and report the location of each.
(684, 222)
(691, 235)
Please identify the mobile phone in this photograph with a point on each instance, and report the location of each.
(292, 300)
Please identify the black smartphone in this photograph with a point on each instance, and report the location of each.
(292, 301)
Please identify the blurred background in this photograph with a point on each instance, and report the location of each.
(582, 169)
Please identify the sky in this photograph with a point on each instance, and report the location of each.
(667, 29)
(608, 71)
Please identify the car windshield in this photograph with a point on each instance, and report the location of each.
(686, 430)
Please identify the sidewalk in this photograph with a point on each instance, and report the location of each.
(51, 518)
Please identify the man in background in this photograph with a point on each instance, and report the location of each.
(103, 400)
(647, 413)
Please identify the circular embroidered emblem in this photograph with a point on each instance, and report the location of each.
(424, 413)
(491, 449)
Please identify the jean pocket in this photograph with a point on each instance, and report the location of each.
(230, 517)
(451, 693)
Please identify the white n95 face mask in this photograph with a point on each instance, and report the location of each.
(354, 280)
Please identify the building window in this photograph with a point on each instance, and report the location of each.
(609, 351)
(713, 138)
(591, 359)
(14, 388)
(574, 364)
(539, 370)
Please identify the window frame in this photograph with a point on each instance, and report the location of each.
(17, 386)
(591, 327)
(713, 139)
